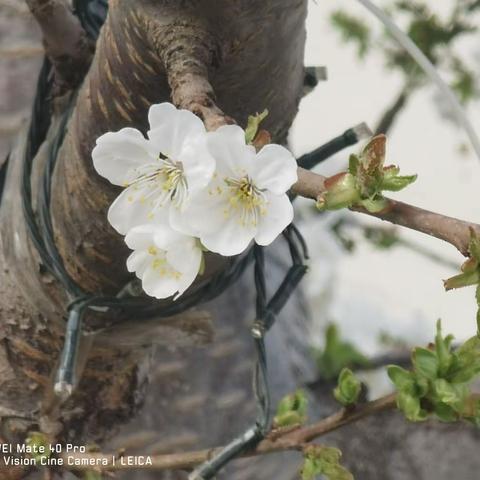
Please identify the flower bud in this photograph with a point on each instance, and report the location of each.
(341, 192)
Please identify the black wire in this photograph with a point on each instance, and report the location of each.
(266, 312)
(311, 159)
(92, 14)
(3, 175)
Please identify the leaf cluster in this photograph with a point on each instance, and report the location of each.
(364, 182)
(320, 460)
(291, 410)
(348, 388)
(439, 382)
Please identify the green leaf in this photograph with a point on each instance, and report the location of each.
(403, 380)
(442, 349)
(445, 412)
(445, 392)
(462, 280)
(321, 460)
(348, 388)
(253, 124)
(465, 364)
(425, 363)
(310, 469)
(470, 348)
(397, 183)
(337, 472)
(474, 245)
(291, 410)
(410, 406)
(330, 455)
(374, 205)
(421, 386)
(353, 163)
(341, 192)
(39, 442)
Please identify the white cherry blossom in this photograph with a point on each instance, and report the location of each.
(160, 173)
(246, 199)
(166, 261)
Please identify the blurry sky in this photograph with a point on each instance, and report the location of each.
(394, 290)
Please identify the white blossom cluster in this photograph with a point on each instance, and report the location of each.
(187, 190)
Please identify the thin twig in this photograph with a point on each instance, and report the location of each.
(277, 441)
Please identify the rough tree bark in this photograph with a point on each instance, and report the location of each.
(192, 397)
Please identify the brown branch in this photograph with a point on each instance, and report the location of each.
(65, 41)
(451, 230)
(187, 64)
(276, 441)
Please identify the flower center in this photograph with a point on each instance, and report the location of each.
(161, 182)
(245, 196)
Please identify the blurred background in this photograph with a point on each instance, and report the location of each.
(374, 288)
(381, 286)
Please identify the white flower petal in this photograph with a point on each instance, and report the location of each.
(198, 164)
(230, 239)
(278, 216)
(138, 262)
(233, 156)
(179, 220)
(165, 237)
(274, 169)
(158, 286)
(130, 210)
(140, 238)
(185, 258)
(204, 213)
(118, 153)
(170, 128)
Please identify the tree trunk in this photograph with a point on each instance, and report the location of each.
(253, 54)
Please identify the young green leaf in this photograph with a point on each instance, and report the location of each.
(341, 192)
(397, 183)
(403, 380)
(425, 363)
(291, 410)
(442, 349)
(410, 406)
(40, 445)
(253, 124)
(348, 388)
(445, 412)
(319, 460)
